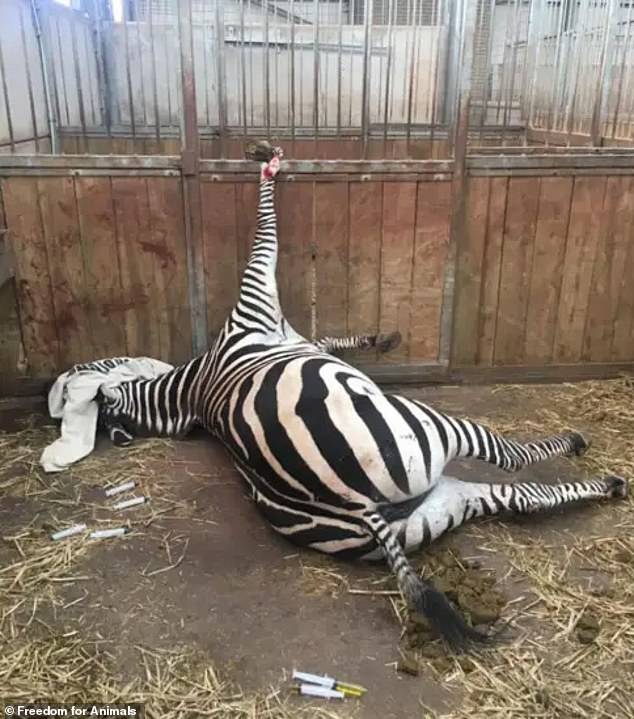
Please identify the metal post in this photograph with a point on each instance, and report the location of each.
(365, 91)
(43, 51)
(103, 80)
(190, 156)
(600, 93)
(220, 68)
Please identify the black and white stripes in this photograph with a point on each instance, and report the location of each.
(333, 462)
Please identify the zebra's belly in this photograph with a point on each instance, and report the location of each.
(316, 428)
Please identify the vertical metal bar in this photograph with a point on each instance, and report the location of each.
(243, 72)
(410, 91)
(91, 92)
(103, 80)
(42, 46)
(7, 104)
(220, 39)
(351, 72)
(251, 65)
(508, 105)
(277, 73)
(205, 26)
(572, 102)
(324, 82)
(365, 91)
(552, 108)
(63, 71)
(157, 119)
(388, 73)
(266, 71)
(538, 33)
(129, 78)
(29, 84)
(339, 60)
(439, 25)
(78, 82)
(600, 96)
(316, 76)
(168, 74)
(141, 74)
(626, 49)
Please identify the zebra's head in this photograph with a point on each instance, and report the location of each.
(110, 402)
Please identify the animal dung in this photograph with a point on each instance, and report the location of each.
(70, 532)
(120, 488)
(127, 503)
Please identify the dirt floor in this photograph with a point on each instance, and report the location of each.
(201, 608)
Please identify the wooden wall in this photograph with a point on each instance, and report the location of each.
(545, 270)
(100, 268)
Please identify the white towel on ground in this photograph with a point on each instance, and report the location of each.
(72, 399)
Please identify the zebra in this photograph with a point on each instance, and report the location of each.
(147, 413)
(332, 462)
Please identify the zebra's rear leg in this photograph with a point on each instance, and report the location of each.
(453, 502)
(470, 439)
(419, 594)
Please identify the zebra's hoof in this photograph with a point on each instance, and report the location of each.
(617, 487)
(387, 343)
(262, 151)
(579, 445)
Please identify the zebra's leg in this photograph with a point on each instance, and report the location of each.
(258, 305)
(464, 438)
(382, 343)
(419, 594)
(453, 502)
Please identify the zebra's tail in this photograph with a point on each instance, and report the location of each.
(420, 595)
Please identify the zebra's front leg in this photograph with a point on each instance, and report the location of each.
(382, 343)
(453, 502)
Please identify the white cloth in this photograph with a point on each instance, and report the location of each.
(72, 399)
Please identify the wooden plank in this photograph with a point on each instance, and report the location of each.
(295, 263)
(33, 283)
(140, 296)
(490, 291)
(331, 246)
(58, 208)
(433, 215)
(247, 196)
(168, 247)
(586, 216)
(623, 289)
(607, 272)
(397, 250)
(519, 237)
(547, 271)
(364, 257)
(470, 273)
(220, 242)
(105, 308)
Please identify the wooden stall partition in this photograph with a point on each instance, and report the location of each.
(100, 267)
(543, 261)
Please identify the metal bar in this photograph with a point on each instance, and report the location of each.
(600, 97)
(220, 38)
(388, 72)
(266, 71)
(91, 93)
(552, 109)
(243, 72)
(538, 34)
(339, 61)
(626, 50)
(45, 69)
(7, 104)
(251, 66)
(63, 71)
(141, 74)
(508, 106)
(168, 67)
(129, 78)
(410, 90)
(316, 75)
(157, 119)
(434, 93)
(206, 54)
(365, 90)
(78, 83)
(28, 79)
(572, 101)
(277, 71)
